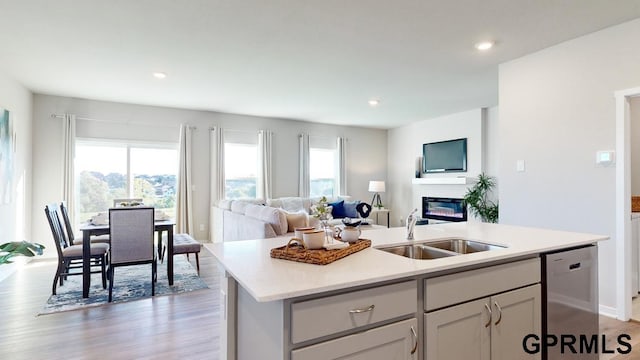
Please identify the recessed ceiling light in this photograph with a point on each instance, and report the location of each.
(159, 75)
(374, 102)
(485, 45)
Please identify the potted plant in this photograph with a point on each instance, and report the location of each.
(477, 199)
(18, 248)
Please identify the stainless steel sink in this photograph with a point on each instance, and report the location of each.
(462, 246)
(418, 252)
(440, 248)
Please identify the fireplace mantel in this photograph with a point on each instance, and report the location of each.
(450, 180)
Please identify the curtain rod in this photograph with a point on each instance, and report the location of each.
(61, 116)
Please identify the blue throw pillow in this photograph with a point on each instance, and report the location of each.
(338, 209)
(350, 209)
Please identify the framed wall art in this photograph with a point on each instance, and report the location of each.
(6, 156)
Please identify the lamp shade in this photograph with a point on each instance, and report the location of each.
(376, 186)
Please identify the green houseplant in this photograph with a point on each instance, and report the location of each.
(18, 248)
(477, 199)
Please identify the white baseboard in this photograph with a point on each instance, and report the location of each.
(608, 311)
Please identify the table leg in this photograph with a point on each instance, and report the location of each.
(388, 219)
(160, 245)
(170, 256)
(86, 263)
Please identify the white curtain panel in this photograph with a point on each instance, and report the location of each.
(341, 145)
(68, 153)
(217, 169)
(184, 210)
(303, 184)
(264, 164)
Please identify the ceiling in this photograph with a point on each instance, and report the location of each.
(318, 61)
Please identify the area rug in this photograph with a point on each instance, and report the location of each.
(131, 283)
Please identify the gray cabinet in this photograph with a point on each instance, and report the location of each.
(395, 341)
(458, 332)
(488, 328)
(516, 314)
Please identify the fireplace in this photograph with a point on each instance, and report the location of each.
(446, 209)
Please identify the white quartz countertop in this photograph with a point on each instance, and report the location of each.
(268, 279)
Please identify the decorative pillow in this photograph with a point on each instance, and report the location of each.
(239, 206)
(338, 209)
(270, 215)
(292, 204)
(363, 209)
(329, 209)
(296, 220)
(350, 209)
(276, 203)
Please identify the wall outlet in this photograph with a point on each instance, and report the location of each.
(201, 227)
(401, 221)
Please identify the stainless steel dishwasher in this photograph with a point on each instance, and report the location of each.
(570, 302)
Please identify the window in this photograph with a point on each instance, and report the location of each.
(323, 167)
(112, 170)
(322, 172)
(240, 164)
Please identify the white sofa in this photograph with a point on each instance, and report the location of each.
(258, 219)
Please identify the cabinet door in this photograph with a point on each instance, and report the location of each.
(459, 332)
(397, 341)
(515, 314)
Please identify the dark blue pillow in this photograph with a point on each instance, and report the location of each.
(338, 209)
(350, 209)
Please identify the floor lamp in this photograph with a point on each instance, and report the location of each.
(376, 187)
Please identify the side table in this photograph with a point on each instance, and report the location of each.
(375, 211)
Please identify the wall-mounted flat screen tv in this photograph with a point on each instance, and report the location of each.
(445, 156)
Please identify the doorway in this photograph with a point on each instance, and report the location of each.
(624, 258)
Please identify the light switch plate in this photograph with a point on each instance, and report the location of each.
(520, 165)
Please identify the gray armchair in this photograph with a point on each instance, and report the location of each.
(132, 241)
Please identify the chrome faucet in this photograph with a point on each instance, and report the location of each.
(411, 223)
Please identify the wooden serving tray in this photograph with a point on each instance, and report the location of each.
(296, 251)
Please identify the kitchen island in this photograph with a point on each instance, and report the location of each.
(279, 309)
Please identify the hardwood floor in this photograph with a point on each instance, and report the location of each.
(185, 326)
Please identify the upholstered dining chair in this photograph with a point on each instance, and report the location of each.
(70, 256)
(71, 237)
(131, 230)
(184, 244)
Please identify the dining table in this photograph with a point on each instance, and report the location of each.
(89, 229)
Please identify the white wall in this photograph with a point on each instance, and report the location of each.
(16, 216)
(557, 109)
(405, 145)
(366, 148)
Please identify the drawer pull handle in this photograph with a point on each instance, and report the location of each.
(499, 313)
(415, 336)
(490, 314)
(359, 311)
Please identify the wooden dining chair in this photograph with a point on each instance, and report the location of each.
(71, 237)
(131, 230)
(70, 256)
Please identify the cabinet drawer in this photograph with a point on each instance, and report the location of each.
(394, 341)
(332, 314)
(467, 285)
